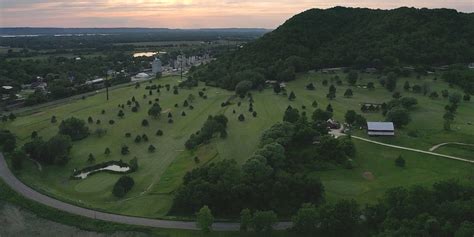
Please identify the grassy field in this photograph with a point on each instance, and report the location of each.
(160, 173)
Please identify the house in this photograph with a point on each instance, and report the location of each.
(380, 129)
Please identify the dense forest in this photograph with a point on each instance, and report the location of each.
(348, 37)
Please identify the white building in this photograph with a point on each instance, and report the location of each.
(156, 66)
(141, 77)
(380, 129)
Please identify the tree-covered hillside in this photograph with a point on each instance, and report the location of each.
(352, 37)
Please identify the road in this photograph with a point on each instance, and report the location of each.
(30, 193)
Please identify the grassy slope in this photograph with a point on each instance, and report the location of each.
(160, 173)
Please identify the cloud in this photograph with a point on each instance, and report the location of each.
(182, 13)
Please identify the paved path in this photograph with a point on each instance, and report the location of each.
(28, 192)
(415, 150)
(447, 143)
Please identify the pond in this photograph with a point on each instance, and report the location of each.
(115, 168)
(144, 54)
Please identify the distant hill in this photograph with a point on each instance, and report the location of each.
(352, 37)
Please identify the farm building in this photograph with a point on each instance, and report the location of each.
(380, 129)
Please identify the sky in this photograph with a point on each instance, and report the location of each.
(183, 13)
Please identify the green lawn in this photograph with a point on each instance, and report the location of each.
(160, 173)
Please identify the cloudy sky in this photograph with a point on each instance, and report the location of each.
(183, 13)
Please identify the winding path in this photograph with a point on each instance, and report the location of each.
(30, 193)
(448, 143)
(414, 150)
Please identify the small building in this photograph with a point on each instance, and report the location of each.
(380, 129)
(471, 66)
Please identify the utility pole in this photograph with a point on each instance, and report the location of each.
(106, 85)
(181, 66)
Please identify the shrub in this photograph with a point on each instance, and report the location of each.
(144, 137)
(170, 120)
(111, 122)
(183, 113)
(53, 119)
(254, 114)
(159, 133)
(128, 134)
(241, 117)
(145, 123)
(90, 120)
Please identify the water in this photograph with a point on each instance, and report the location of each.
(115, 168)
(144, 54)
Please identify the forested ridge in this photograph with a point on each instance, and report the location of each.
(349, 37)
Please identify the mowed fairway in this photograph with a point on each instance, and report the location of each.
(160, 173)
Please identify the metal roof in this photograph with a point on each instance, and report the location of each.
(382, 126)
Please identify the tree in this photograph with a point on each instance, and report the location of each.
(291, 115)
(122, 186)
(352, 77)
(400, 162)
(241, 117)
(310, 87)
(245, 219)
(151, 148)
(276, 88)
(455, 98)
(408, 102)
(90, 120)
(91, 158)
(434, 95)
(329, 108)
(399, 117)
(306, 219)
(204, 219)
(467, 97)
(124, 150)
(133, 164)
(370, 86)
(155, 110)
(391, 83)
(159, 132)
(314, 104)
(350, 117)
(34, 134)
(321, 115)
(243, 87)
(107, 151)
(348, 93)
(121, 113)
(17, 157)
(406, 86)
(263, 221)
(7, 140)
(292, 96)
(75, 128)
(145, 123)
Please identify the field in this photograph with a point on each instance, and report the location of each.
(160, 173)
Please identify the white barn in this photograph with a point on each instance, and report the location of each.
(380, 129)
